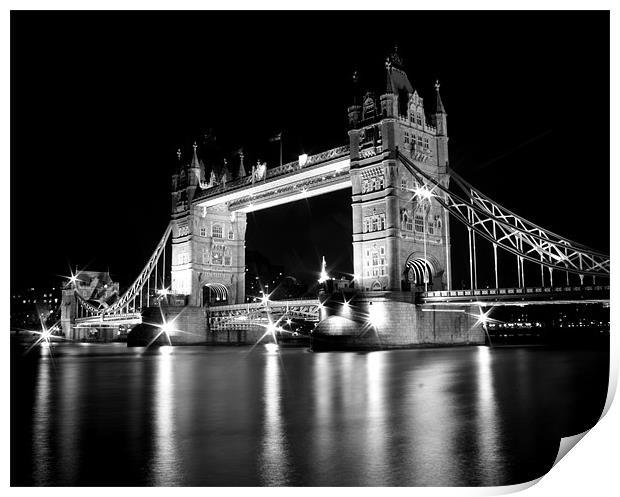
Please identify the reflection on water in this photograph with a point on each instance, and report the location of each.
(165, 461)
(274, 461)
(106, 415)
(375, 431)
(487, 422)
(41, 450)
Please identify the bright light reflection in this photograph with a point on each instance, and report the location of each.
(273, 460)
(486, 417)
(376, 412)
(45, 336)
(423, 192)
(376, 314)
(483, 318)
(41, 446)
(165, 459)
(271, 347)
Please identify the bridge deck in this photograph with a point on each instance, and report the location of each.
(520, 296)
(321, 173)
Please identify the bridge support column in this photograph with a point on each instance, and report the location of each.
(68, 313)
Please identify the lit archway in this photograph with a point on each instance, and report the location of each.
(214, 294)
(419, 271)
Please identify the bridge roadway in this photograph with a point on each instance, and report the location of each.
(308, 309)
(110, 320)
(596, 294)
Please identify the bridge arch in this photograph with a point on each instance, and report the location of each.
(419, 270)
(214, 294)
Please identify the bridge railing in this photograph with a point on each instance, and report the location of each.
(258, 305)
(514, 291)
(122, 318)
(275, 172)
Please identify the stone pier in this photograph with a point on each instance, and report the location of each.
(388, 320)
(188, 326)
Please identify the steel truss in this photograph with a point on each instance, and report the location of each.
(126, 304)
(510, 232)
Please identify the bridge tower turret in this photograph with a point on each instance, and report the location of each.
(439, 119)
(400, 233)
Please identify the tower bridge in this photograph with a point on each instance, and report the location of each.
(404, 197)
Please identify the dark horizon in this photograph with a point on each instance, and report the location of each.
(101, 101)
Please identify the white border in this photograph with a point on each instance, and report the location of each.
(590, 469)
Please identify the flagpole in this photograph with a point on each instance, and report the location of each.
(280, 149)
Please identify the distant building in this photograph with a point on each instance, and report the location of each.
(31, 305)
(96, 287)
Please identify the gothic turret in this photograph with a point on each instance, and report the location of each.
(355, 110)
(397, 85)
(176, 181)
(193, 175)
(241, 173)
(440, 115)
(225, 177)
(440, 120)
(176, 173)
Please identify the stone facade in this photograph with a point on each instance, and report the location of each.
(400, 239)
(383, 320)
(391, 225)
(208, 245)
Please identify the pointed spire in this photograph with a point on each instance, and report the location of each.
(356, 86)
(203, 175)
(388, 78)
(323, 276)
(225, 173)
(179, 163)
(439, 109)
(242, 172)
(195, 162)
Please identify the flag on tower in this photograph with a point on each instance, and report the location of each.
(276, 138)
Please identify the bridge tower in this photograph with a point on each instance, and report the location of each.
(401, 234)
(208, 244)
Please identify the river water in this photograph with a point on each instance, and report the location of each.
(110, 415)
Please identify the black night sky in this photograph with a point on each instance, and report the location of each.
(100, 102)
